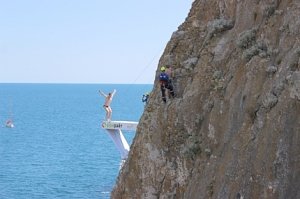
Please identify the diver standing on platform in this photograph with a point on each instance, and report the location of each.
(107, 102)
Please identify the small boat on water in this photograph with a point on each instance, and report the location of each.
(9, 124)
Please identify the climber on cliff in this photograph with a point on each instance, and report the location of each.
(145, 98)
(165, 83)
(107, 102)
(170, 73)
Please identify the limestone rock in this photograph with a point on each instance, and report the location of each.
(233, 129)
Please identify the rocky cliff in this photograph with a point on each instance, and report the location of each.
(233, 130)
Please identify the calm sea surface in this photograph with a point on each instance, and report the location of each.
(57, 148)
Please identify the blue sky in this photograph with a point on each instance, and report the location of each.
(85, 41)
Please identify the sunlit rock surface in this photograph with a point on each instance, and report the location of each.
(233, 129)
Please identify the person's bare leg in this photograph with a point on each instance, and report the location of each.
(109, 113)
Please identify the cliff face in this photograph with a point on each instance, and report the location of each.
(233, 129)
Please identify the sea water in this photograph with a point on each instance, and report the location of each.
(57, 148)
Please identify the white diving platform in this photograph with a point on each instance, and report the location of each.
(122, 125)
(114, 128)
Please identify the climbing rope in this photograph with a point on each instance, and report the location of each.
(117, 99)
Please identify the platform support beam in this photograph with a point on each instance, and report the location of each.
(120, 142)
